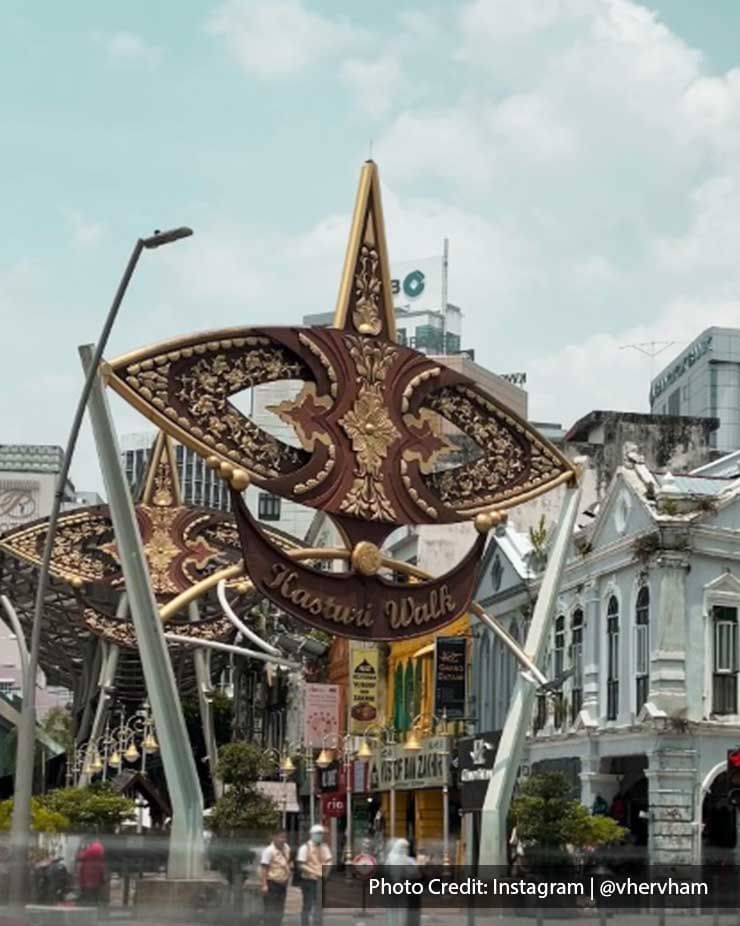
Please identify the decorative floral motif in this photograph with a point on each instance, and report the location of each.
(368, 287)
(205, 388)
(368, 425)
(511, 462)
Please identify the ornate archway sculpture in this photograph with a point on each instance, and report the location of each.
(370, 420)
(183, 545)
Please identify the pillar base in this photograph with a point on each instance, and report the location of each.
(163, 898)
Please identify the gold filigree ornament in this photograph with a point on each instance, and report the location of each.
(368, 288)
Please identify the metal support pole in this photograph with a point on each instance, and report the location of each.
(202, 662)
(445, 825)
(105, 684)
(348, 784)
(513, 735)
(186, 835)
(393, 797)
(312, 793)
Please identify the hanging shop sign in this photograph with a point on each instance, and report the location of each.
(320, 715)
(363, 680)
(368, 449)
(476, 756)
(429, 767)
(450, 673)
(334, 805)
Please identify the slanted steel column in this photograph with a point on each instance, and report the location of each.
(514, 733)
(202, 661)
(186, 835)
(106, 681)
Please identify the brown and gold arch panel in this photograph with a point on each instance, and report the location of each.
(359, 603)
(373, 451)
(186, 387)
(122, 633)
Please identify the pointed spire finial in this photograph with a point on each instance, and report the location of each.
(161, 483)
(365, 303)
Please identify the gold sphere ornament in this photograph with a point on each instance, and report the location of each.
(240, 480)
(76, 582)
(483, 522)
(226, 470)
(366, 558)
(213, 462)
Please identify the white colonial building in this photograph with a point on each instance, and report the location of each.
(647, 620)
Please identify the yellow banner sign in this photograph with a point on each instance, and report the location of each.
(364, 708)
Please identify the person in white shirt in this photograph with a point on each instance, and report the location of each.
(274, 878)
(312, 858)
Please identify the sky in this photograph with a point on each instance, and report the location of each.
(582, 157)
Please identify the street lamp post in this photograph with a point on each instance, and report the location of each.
(286, 769)
(384, 736)
(325, 759)
(425, 725)
(25, 749)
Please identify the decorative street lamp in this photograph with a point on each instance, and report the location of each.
(130, 741)
(344, 745)
(424, 725)
(25, 749)
(383, 737)
(286, 769)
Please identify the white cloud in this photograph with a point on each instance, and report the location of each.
(279, 38)
(127, 47)
(373, 82)
(86, 232)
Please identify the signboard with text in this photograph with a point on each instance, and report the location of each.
(450, 672)
(476, 755)
(417, 285)
(363, 678)
(427, 768)
(321, 714)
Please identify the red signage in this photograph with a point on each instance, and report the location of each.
(334, 805)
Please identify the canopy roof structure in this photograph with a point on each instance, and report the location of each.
(182, 545)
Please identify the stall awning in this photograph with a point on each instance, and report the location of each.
(424, 651)
(282, 792)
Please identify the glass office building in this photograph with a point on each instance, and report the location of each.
(704, 380)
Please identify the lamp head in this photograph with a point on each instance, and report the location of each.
(365, 751)
(413, 743)
(166, 237)
(325, 758)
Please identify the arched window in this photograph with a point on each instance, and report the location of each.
(642, 647)
(559, 667)
(576, 637)
(486, 683)
(724, 688)
(612, 654)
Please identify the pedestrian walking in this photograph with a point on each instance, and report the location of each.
(92, 874)
(274, 878)
(400, 866)
(313, 856)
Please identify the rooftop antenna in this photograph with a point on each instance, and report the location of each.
(651, 349)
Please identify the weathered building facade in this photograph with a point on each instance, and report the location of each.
(647, 620)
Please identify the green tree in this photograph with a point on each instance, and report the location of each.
(43, 819)
(96, 809)
(59, 725)
(243, 809)
(548, 820)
